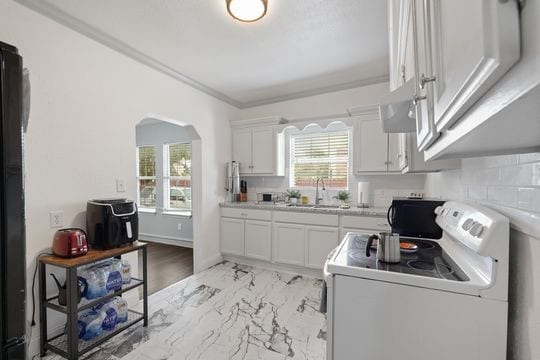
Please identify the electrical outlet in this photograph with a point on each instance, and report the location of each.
(56, 219)
(179, 227)
(120, 185)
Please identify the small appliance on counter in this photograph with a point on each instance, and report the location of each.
(414, 217)
(232, 181)
(70, 243)
(243, 191)
(111, 223)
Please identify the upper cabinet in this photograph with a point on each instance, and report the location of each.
(259, 150)
(412, 161)
(470, 80)
(473, 44)
(374, 150)
(400, 26)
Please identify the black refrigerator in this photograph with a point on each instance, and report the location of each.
(12, 226)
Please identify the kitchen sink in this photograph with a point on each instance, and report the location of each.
(313, 206)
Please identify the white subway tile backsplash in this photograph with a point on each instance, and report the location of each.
(527, 158)
(522, 175)
(477, 192)
(503, 195)
(488, 176)
(529, 199)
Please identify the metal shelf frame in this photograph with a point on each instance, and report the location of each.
(68, 344)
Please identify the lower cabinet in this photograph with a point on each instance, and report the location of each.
(303, 245)
(250, 238)
(232, 236)
(258, 239)
(289, 244)
(320, 240)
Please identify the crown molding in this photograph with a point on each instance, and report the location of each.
(317, 91)
(56, 14)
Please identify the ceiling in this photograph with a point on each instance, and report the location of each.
(301, 48)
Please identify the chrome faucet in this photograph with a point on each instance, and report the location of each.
(317, 198)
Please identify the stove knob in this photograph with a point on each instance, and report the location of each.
(477, 229)
(467, 224)
(439, 210)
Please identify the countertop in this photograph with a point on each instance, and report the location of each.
(354, 211)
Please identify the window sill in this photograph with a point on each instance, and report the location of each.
(186, 213)
(147, 211)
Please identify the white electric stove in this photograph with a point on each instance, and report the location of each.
(447, 300)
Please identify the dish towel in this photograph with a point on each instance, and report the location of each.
(322, 306)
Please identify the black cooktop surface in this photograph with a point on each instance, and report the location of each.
(428, 260)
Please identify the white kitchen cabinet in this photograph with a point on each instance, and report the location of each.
(473, 44)
(259, 150)
(289, 243)
(246, 232)
(258, 239)
(401, 42)
(320, 240)
(374, 151)
(232, 236)
(412, 161)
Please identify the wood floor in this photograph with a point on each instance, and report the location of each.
(167, 264)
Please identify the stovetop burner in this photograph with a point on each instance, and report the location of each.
(430, 260)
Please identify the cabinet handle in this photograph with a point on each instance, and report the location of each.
(243, 214)
(417, 98)
(424, 80)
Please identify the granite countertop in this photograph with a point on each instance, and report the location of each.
(354, 211)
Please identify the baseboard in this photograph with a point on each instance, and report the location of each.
(208, 262)
(298, 270)
(166, 240)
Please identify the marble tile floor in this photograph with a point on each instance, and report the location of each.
(229, 311)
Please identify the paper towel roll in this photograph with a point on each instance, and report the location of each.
(363, 193)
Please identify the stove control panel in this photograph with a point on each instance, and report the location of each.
(472, 225)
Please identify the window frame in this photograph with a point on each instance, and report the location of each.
(167, 209)
(314, 132)
(139, 178)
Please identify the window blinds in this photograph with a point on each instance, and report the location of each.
(324, 155)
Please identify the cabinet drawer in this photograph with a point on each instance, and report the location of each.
(306, 218)
(247, 214)
(365, 222)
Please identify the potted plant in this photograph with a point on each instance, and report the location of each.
(343, 196)
(293, 195)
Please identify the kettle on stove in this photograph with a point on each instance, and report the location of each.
(388, 247)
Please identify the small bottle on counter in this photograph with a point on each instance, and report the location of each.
(305, 200)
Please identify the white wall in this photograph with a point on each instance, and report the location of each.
(86, 102)
(511, 185)
(382, 187)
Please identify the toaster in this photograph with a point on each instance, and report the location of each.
(111, 223)
(69, 243)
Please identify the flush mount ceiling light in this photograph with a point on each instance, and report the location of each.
(247, 10)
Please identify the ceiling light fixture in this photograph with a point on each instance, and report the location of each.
(247, 10)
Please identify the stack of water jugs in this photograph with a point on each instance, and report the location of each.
(100, 279)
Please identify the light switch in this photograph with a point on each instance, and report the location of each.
(120, 185)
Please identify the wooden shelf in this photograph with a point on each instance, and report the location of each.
(91, 256)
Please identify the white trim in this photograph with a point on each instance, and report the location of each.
(298, 270)
(56, 14)
(208, 262)
(318, 91)
(270, 120)
(169, 240)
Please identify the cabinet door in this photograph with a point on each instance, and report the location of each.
(403, 151)
(288, 243)
(258, 239)
(425, 126)
(371, 147)
(473, 44)
(320, 240)
(242, 149)
(232, 236)
(393, 152)
(401, 42)
(263, 150)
